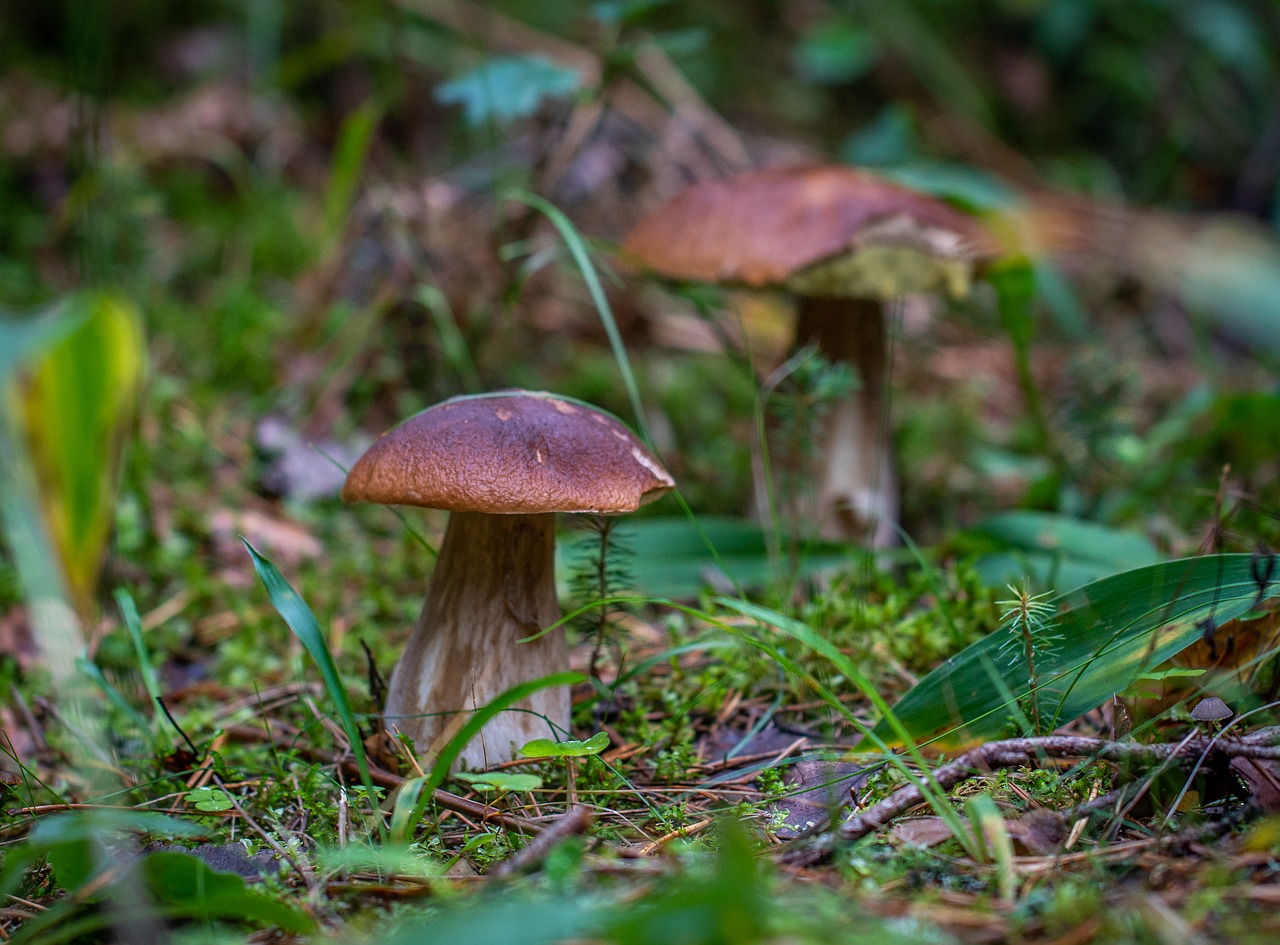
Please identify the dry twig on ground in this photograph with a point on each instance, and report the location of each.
(1017, 752)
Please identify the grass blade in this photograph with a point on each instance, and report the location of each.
(290, 605)
(449, 754)
(582, 258)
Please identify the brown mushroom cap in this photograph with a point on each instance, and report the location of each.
(766, 228)
(517, 452)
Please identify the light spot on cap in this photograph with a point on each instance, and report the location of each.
(503, 414)
(562, 407)
(658, 472)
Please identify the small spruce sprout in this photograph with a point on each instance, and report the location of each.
(1029, 620)
(602, 571)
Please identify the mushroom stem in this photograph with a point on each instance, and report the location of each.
(494, 584)
(857, 491)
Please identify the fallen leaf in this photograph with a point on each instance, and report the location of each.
(1262, 777)
(921, 831)
(285, 541)
(16, 640)
(225, 858)
(821, 790)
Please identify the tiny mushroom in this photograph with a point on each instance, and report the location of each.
(844, 242)
(503, 464)
(1211, 709)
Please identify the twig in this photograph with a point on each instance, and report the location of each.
(300, 866)
(689, 831)
(575, 822)
(1017, 752)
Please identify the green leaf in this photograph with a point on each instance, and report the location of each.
(1232, 271)
(73, 841)
(888, 139)
(505, 88)
(290, 605)
(354, 137)
(546, 748)
(678, 556)
(210, 799)
(969, 186)
(1173, 672)
(21, 339)
(406, 809)
(1055, 551)
(836, 51)
(1113, 631)
(75, 406)
(133, 623)
(500, 780)
(190, 888)
(515, 917)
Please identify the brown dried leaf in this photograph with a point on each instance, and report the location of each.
(16, 639)
(822, 789)
(284, 541)
(1263, 780)
(921, 831)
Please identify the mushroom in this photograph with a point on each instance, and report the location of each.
(503, 464)
(844, 242)
(1211, 709)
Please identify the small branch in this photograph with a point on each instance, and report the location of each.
(652, 847)
(1017, 752)
(575, 822)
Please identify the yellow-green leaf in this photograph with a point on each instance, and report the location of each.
(76, 404)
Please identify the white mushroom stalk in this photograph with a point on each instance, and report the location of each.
(493, 586)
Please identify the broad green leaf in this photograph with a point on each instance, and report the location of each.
(73, 842)
(514, 917)
(1058, 295)
(75, 405)
(1230, 270)
(405, 809)
(505, 88)
(1055, 551)
(968, 186)
(569, 748)
(290, 605)
(190, 888)
(1112, 630)
(674, 557)
(500, 780)
(23, 338)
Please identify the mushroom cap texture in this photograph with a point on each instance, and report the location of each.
(518, 452)
(1211, 709)
(760, 228)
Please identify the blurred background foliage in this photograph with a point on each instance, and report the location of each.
(305, 203)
